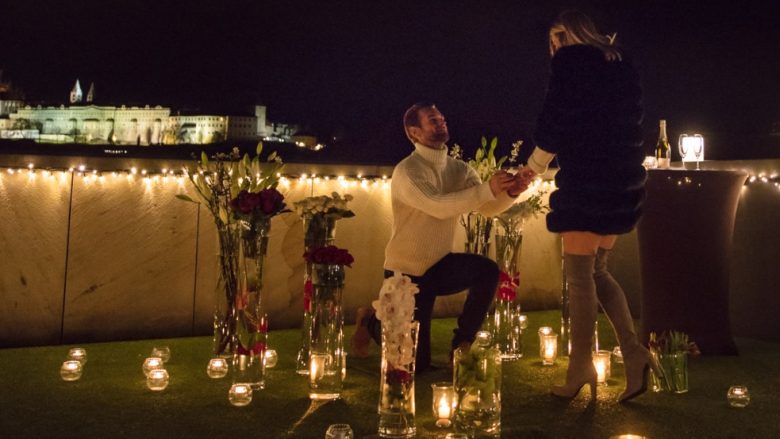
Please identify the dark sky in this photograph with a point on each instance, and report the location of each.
(351, 68)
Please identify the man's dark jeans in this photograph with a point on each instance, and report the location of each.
(453, 273)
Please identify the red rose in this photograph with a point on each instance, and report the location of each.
(329, 255)
(398, 376)
(271, 201)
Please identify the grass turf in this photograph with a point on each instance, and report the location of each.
(111, 398)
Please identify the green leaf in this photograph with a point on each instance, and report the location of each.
(204, 159)
(272, 156)
(259, 148)
(185, 198)
(484, 142)
(493, 143)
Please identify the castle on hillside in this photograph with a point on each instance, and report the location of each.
(82, 121)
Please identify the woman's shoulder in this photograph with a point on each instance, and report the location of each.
(578, 53)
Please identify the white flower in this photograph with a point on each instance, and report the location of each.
(395, 309)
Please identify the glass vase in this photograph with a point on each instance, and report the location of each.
(477, 381)
(318, 231)
(505, 326)
(396, 383)
(478, 228)
(674, 367)
(251, 337)
(327, 340)
(226, 289)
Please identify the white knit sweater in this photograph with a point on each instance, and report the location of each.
(429, 192)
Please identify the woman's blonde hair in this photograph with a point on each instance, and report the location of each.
(574, 27)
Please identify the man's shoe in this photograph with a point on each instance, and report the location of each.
(361, 340)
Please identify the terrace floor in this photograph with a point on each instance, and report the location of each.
(111, 398)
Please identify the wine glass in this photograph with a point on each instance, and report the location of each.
(682, 147)
(698, 149)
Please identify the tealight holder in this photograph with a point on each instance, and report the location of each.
(71, 370)
(444, 403)
(240, 394)
(628, 436)
(523, 319)
(617, 355)
(548, 346)
(217, 368)
(601, 361)
(162, 352)
(151, 364)
(339, 431)
(78, 354)
(271, 358)
(157, 380)
(738, 396)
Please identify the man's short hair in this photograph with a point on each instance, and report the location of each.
(412, 116)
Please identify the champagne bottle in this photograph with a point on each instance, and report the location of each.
(663, 152)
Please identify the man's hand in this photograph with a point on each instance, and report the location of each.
(519, 185)
(526, 174)
(501, 181)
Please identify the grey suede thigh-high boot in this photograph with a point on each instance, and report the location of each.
(636, 358)
(583, 308)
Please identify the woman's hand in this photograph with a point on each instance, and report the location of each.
(500, 182)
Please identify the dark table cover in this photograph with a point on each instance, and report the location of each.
(685, 240)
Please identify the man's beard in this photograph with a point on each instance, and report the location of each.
(440, 137)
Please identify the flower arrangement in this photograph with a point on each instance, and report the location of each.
(507, 286)
(670, 351)
(485, 164)
(395, 309)
(320, 214)
(329, 255)
(512, 219)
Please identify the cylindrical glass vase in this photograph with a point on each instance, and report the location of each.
(318, 231)
(477, 380)
(396, 383)
(327, 338)
(226, 289)
(251, 337)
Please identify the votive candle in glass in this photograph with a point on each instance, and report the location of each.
(70, 370)
(548, 346)
(523, 321)
(78, 354)
(151, 364)
(617, 354)
(601, 361)
(240, 394)
(162, 352)
(157, 380)
(317, 363)
(738, 396)
(271, 358)
(628, 436)
(444, 403)
(217, 368)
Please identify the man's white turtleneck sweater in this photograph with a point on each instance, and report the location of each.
(429, 192)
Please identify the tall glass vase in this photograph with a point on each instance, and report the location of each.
(226, 289)
(477, 382)
(251, 337)
(478, 228)
(396, 385)
(505, 324)
(318, 231)
(326, 353)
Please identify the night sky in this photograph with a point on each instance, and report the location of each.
(348, 70)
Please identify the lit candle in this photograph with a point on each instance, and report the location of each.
(217, 368)
(70, 370)
(523, 321)
(78, 354)
(240, 394)
(157, 380)
(271, 358)
(545, 330)
(443, 403)
(738, 396)
(162, 352)
(317, 364)
(601, 361)
(548, 347)
(151, 364)
(628, 436)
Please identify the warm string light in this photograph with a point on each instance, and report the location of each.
(167, 176)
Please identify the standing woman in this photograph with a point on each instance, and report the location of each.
(591, 121)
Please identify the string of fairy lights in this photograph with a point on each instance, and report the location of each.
(180, 177)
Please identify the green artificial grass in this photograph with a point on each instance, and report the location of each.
(111, 398)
